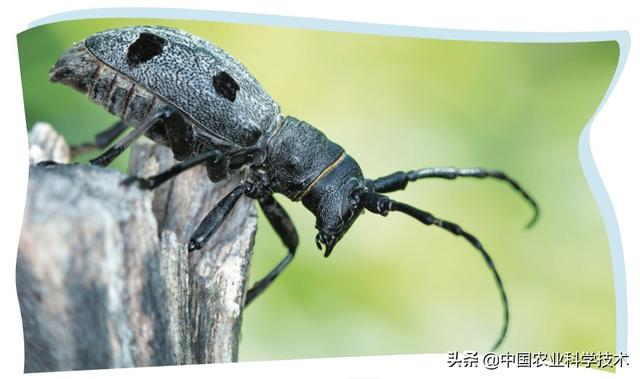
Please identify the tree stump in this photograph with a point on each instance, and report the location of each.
(103, 276)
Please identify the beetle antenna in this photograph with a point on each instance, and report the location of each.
(381, 204)
(399, 180)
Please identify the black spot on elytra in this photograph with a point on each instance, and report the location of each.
(144, 48)
(225, 86)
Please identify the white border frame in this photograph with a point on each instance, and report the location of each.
(611, 132)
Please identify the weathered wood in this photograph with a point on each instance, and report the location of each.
(104, 278)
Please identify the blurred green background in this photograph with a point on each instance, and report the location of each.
(394, 286)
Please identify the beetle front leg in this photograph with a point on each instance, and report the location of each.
(283, 225)
(215, 218)
(399, 180)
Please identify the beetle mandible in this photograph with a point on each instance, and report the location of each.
(190, 95)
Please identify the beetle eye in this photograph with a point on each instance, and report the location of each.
(225, 86)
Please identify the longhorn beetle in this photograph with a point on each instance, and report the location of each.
(190, 95)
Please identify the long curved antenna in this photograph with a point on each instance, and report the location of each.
(382, 205)
(399, 180)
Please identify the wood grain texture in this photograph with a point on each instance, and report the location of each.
(104, 278)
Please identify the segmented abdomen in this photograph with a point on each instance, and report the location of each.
(121, 96)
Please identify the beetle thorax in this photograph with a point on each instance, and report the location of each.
(297, 156)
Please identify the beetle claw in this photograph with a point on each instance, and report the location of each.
(193, 245)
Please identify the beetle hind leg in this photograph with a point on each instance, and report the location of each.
(178, 133)
(101, 140)
(114, 151)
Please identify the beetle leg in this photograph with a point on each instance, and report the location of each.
(215, 218)
(112, 153)
(156, 180)
(47, 163)
(179, 135)
(218, 169)
(102, 139)
(399, 180)
(283, 225)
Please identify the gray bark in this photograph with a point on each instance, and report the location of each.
(103, 276)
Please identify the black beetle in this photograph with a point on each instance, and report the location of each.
(186, 93)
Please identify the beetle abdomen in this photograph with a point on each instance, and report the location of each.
(118, 94)
(121, 96)
(76, 68)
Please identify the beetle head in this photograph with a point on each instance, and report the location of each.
(333, 200)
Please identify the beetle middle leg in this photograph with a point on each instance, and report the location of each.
(211, 157)
(399, 180)
(283, 225)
